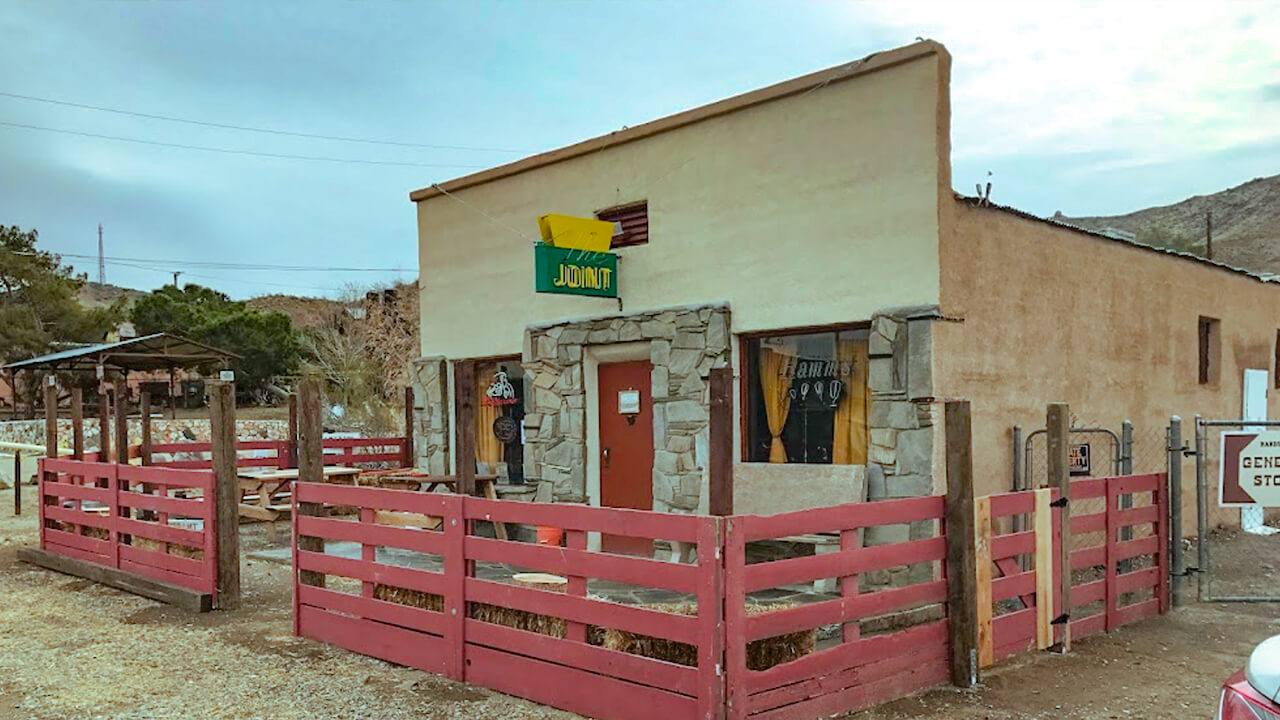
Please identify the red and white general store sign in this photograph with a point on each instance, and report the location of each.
(1249, 469)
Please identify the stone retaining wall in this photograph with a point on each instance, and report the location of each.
(162, 431)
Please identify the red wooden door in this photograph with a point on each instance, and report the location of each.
(626, 448)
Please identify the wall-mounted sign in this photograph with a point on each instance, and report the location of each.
(575, 233)
(227, 375)
(506, 429)
(628, 402)
(1079, 460)
(575, 272)
(818, 384)
(500, 391)
(1249, 469)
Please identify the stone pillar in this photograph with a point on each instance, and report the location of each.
(430, 415)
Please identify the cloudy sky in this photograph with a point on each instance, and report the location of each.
(1085, 108)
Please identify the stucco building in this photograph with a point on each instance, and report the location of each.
(807, 236)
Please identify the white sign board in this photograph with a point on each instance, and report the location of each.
(628, 402)
(1249, 469)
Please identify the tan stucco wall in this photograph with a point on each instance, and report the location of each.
(1050, 314)
(826, 200)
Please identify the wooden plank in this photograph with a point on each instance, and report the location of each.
(491, 493)
(406, 501)
(1011, 545)
(1087, 593)
(291, 442)
(169, 477)
(1044, 568)
(155, 531)
(156, 590)
(456, 588)
(720, 444)
(1058, 424)
(681, 628)
(961, 562)
(405, 616)
(572, 689)
(122, 421)
(409, 402)
(983, 563)
(50, 418)
(374, 572)
(1162, 537)
(843, 517)
(1020, 502)
(1137, 548)
(181, 507)
(843, 563)
(711, 626)
(887, 680)
(614, 521)
(603, 566)
(1091, 523)
(423, 541)
(310, 431)
(144, 448)
(735, 614)
(406, 519)
(840, 610)
(375, 639)
(226, 495)
(77, 423)
(464, 404)
(1014, 633)
(597, 660)
(1138, 611)
(95, 546)
(1020, 585)
(164, 574)
(104, 423)
(69, 491)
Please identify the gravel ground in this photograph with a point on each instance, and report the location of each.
(73, 649)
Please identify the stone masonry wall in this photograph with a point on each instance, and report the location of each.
(684, 345)
(430, 415)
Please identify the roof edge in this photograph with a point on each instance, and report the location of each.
(845, 71)
(979, 203)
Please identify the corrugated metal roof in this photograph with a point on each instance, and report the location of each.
(988, 205)
(150, 352)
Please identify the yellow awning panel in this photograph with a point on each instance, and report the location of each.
(575, 233)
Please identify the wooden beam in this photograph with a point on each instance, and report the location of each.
(292, 451)
(104, 423)
(409, 457)
(1043, 520)
(138, 585)
(310, 466)
(962, 618)
(122, 421)
(982, 561)
(464, 404)
(720, 447)
(222, 438)
(144, 443)
(50, 418)
(1058, 424)
(77, 423)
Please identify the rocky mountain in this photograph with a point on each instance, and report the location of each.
(1245, 222)
(94, 295)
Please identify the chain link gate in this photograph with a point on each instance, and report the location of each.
(1228, 555)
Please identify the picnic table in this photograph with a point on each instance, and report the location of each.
(263, 487)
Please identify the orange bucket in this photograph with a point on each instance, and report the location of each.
(550, 535)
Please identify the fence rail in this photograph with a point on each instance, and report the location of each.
(274, 454)
(153, 522)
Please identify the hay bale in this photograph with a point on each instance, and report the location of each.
(169, 548)
(508, 617)
(761, 654)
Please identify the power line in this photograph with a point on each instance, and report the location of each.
(235, 266)
(226, 279)
(228, 151)
(246, 128)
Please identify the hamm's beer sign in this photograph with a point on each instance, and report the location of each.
(573, 257)
(1249, 473)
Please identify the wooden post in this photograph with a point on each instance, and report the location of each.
(310, 455)
(310, 431)
(104, 423)
(962, 591)
(721, 442)
(464, 404)
(409, 457)
(982, 562)
(17, 484)
(77, 423)
(292, 451)
(122, 422)
(50, 418)
(222, 438)
(1058, 424)
(1043, 520)
(144, 427)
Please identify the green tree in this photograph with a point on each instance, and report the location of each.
(39, 305)
(265, 341)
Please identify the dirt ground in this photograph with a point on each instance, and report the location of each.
(73, 649)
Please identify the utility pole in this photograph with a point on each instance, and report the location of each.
(1208, 234)
(102, 264)
(176, 273)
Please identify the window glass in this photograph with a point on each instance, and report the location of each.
(807, 398)
(500, 420)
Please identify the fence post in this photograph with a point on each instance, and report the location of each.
(77, 424)
(721, 442)
(222, 438)
(1202, 511)
(1058, 426)
(711, 627)
(310, 431)
(408, 426)
(17, 484)
(962, 593)
(1177, 566)
(464, 405)
(104, 423)
(735, 617)
(455, 572)
(122, 421)
(1126, 468)
(50, 436)
(144, 427)
(1111, 600)
(982, 564)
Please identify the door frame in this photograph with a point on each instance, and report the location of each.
(593, 356)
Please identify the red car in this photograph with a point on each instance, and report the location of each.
(1251, 693)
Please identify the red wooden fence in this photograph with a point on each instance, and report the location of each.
(130, 518)
(861, 668)
(274, 454)
(565, 668)
(1119, 559)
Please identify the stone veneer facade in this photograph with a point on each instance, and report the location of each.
(684, 344)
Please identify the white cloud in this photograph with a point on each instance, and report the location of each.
(1146, 80)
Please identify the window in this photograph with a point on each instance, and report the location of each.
(807, 398)
(500, 394)
(1210, 349)
(631, 223)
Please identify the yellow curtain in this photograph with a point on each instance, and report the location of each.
(488, 449)
(850, 446)
(776, 371)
